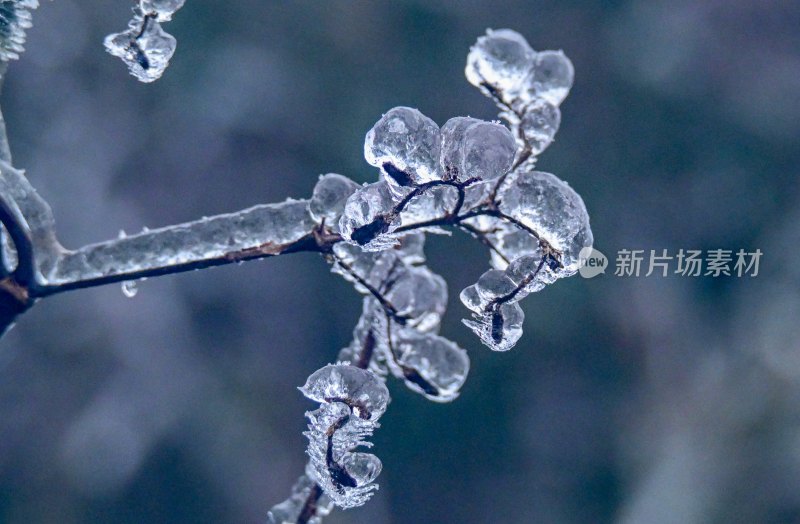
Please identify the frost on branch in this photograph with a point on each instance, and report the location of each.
(145, 47)
(352, 400)
(15, 19)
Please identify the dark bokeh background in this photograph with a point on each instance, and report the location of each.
(628, 400)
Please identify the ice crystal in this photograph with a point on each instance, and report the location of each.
(550, 78)
(540, 122)
(144, 47)
(363, 220)
(15, 19)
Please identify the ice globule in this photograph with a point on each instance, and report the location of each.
(15, 20)
(161, 9)
(329, 197)
(475, 149)
(361, 390)
(404, 144)
(550, 78)
(551, 208)
(144, 47)
(500, 328)
(419, 296)
(499, 63)
(429, 364)
(540, 122)
(367, 219)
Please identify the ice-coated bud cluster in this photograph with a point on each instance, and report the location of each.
(471, 175)
(15, 19)
(351, 402)
(411, 150)
(414, 157)
(145, 47)
(528, 85)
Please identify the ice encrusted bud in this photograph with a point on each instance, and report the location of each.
(404, 144)
(15, 19)
(539, 124)
(475, 149)
(144, 47)
(419, 296)
(364, 219)
(343, 474)
(550, 78)
(161, 9)
(549, 206)
(431, 365)
(500, 60)
(361, 390)
(329, 197)
(500, 328)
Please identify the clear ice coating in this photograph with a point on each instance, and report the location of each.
(500, 60)
(404, 143)
(361, 390)
(539, 124)
(364, 219)
(15, 19)
(431, 365)
(551, 77)
(473, 148)
(144, 47)
(499, 329)
(290, 510)
(418, 295)
(161, 9)
(329, 197)
(549, 206)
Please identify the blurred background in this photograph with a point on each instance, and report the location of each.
(634, 400)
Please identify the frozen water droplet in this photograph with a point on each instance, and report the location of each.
(362, 467)
(419, 295)
(540, 124)
(363, 219)
(145, 47)
(404, 143)
(472, 148)
(551, 77)
(162, 9)
(494, 284)
(122, 234)
(553, 209)
(329, 197)
(431, 365)
(500, 329)
(129, 288)
(361, 390)
(501, 59)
